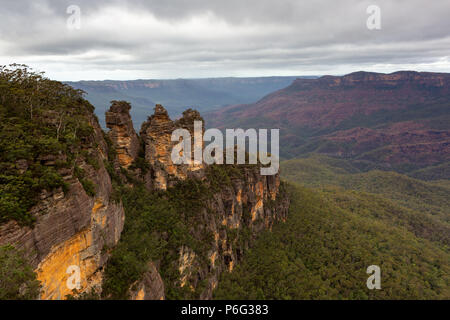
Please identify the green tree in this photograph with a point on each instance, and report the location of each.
(17, 278)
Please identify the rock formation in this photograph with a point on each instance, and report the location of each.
(151, 287)
(238, 212)
(233, 214)
(122, 132)
(156, 133)
(75, 228)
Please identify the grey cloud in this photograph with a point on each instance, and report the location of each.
(191, 38)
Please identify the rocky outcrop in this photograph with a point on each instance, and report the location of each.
(72, 228)
(230, 218)
(122, 132)
(151, 287)
(156, 133)
(226, 225)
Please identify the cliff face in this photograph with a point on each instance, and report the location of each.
(226, 225)
(72, 228)
(151, 287)
(250, 204)
(403, 79)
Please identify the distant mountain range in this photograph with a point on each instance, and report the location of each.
(398, 121)
(178, 94)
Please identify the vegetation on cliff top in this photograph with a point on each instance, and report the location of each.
(43, 125)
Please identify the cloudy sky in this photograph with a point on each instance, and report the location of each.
(119, 39)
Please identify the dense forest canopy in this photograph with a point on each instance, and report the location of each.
(323, 250)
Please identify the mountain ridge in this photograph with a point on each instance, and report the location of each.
(362, 116)
(178, 94)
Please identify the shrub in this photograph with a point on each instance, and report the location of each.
(17, 278)
(88, 186)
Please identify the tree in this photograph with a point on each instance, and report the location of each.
(17, 278)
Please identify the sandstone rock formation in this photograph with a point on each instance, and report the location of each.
(233, 214)
(122, 132)
(156, 133)
(237, 213)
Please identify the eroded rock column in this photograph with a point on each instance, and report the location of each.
(122, 132)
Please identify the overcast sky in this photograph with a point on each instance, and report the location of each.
(206, 38)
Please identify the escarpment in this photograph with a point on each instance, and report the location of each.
(237, 210)
(73, 227)
(376, 121)
(197, 221)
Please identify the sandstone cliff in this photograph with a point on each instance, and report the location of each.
(156, 133)
(223, 227)
(72, 228)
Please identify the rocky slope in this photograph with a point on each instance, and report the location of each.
(398, 120)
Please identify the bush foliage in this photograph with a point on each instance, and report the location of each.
(17, 278)
(41, 119)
